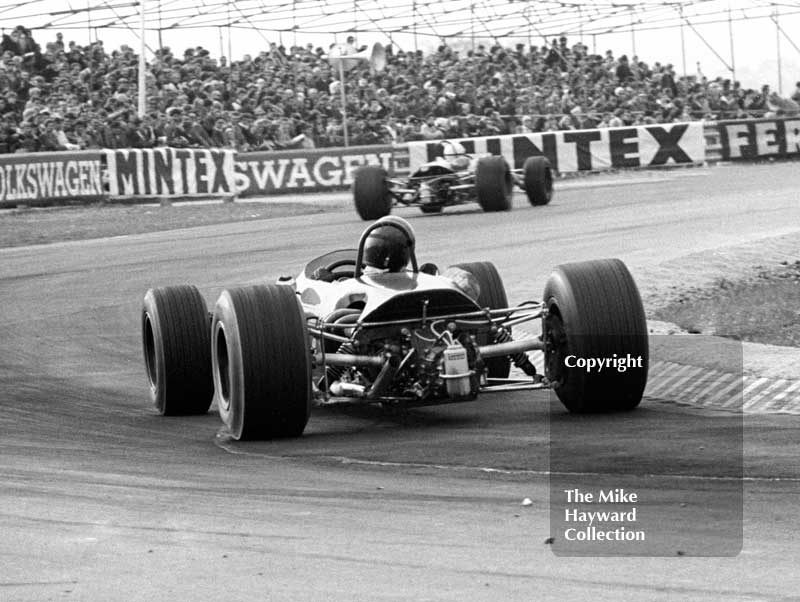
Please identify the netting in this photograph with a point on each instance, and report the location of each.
(746, 39)
(436, 19)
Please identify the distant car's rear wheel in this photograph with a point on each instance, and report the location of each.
(261, 362)
(371, 192)
(538, 180)
(594, 311)
(492, 294)
(177, 350)
(494, 185)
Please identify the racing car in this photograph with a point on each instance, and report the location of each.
(452, 178)
(372, 326)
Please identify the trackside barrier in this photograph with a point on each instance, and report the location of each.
(713, 147)
(759, 139)
(164, 173)
(43, 178)
(306, 170)
(587, 150)
(170, 172)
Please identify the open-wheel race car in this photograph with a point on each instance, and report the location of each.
(452, 178)
(371, 325)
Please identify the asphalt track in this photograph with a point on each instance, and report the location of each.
(103, 500)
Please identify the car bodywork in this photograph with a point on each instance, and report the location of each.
(399, 336)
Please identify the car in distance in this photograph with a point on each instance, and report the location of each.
(453, 178)
(350, 329)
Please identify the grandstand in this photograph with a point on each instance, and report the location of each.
(532, 75)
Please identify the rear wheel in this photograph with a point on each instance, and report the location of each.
(492, 294)
(538, 180)
(594, 311)
(176, 342)
(261, 362)
(494, 185)
(371, 192)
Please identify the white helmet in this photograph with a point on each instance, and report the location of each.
(455, 154)
(451, 150)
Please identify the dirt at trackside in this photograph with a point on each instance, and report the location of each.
(757, 302)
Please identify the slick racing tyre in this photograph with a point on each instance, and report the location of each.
(492, 294)
(538, 180)
(261, 362)
(177, 350)
(371, 192)
(494, 185)
(594, 311)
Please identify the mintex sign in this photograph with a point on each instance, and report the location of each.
(170, 172)
(587, 150)
(307, 170)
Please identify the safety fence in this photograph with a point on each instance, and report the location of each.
(165, 173)
(52, 177)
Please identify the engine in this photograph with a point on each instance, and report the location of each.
(437, 190)
(445, 364)
(433, 362)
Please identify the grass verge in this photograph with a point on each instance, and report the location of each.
(30, 226)
(764, 308)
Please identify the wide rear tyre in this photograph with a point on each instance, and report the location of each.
(177, 350)
(261, 362)
(492, 295)
(594, 311)
(538, 180)
(371, 192)
(494, 185)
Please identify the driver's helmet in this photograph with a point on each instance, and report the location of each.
(389, 244)
(455, 154)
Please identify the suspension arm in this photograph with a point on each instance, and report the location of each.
(510, 347)
(345, 359)
(524, 313)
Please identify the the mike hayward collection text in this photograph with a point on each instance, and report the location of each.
(605, 524)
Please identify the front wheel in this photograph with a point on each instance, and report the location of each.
(491, 293)
(371, 192)
(494, 185)
(261, 362)
(538, 180)
(595, 313)
(177, 350)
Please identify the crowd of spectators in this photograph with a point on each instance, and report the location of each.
(66, 96)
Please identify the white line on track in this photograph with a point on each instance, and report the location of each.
(546, 473)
